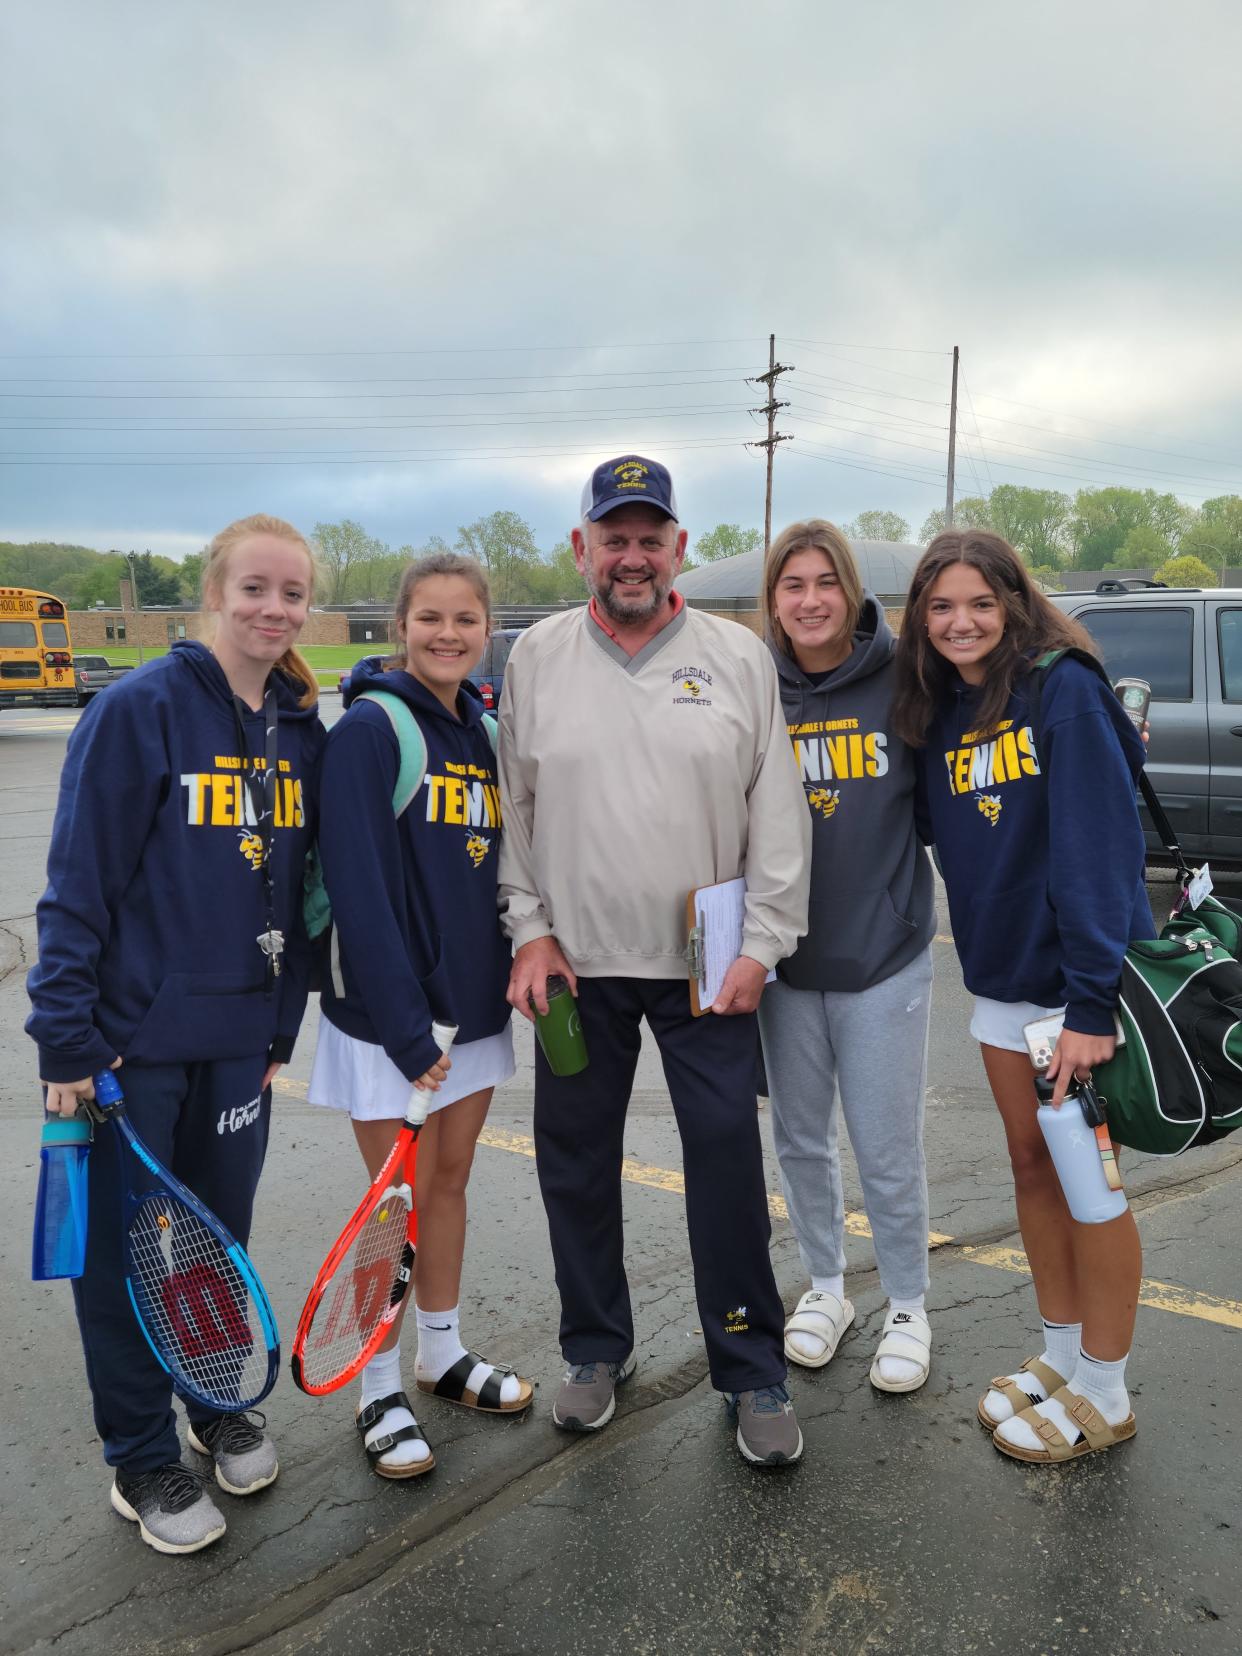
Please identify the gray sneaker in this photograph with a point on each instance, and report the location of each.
(768, 1433)
(172, 1510)
(245, 1456)
(587, 1398)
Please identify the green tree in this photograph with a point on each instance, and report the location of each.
(192, 578)
(1186, 571)
(556, 577)
(505, 545)
(341, 548)
(877, 525)
(971, 512)
(1143, 548)
(1034, 521)
(1102, 518)
(726, 540)
(1216, 533)
(158, 579)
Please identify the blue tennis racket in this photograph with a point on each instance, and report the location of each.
(196, 1295)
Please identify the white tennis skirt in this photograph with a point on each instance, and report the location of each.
(1000, 1023)
(360, 1077)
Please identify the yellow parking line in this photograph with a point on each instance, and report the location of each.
(1160, 1296)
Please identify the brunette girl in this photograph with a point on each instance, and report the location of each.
(1037, 830)
(417, 938)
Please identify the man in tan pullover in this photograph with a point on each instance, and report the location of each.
(643, 753)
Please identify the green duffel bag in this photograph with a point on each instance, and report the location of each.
(1177, 1079)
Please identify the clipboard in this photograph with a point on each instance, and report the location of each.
(714, 918)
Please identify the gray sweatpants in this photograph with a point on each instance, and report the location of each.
(870, 1047)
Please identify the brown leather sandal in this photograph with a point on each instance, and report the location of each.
(1017, 1399)
(1097, 1433)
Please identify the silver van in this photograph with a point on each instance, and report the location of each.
(1187, 644)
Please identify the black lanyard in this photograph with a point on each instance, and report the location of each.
(260, 790)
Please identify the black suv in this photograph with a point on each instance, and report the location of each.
(1187, 643)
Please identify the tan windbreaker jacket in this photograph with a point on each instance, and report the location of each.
(626, 783)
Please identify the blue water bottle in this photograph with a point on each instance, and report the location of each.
(60, 1206)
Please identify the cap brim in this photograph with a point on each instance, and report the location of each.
(629, 499)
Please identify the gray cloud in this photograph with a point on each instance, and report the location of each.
(1054, 189)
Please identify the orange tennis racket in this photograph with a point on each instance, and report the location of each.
(361, 1284)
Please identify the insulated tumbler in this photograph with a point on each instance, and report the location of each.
(1075, 1153)
(560, 1030)
(60, 1207)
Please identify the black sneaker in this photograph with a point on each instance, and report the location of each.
(172, 1510)
(245, 1456)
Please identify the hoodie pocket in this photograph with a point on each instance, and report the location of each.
(200, 1015)
(854, 939)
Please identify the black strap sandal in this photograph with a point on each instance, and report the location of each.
(451, 1386)
(370, 1416)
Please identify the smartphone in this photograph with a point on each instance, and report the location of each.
(1042, 1034)
(1134, 694)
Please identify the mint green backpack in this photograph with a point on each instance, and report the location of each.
(412, 769)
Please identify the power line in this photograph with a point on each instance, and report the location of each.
(391, 351)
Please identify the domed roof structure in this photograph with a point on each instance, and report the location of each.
(886, 568)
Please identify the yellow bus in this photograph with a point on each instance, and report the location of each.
(36, 658)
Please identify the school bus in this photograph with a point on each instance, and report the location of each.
(36, 658)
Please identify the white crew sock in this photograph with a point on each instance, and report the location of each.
(830, 1285)
(380, 1378)
(1102, 1384)
(440, 1346)
(1060, 1353)
(897, 1370)
(807, 1344)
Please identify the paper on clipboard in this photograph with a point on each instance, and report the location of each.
(719, 913)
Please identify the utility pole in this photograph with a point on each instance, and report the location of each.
(948, 494)
(775, 370)
(133, 592)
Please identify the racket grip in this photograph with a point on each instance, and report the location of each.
(420, 1098)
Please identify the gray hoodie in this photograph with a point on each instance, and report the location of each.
(872, 906)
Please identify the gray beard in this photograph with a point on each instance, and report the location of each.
(628, 614)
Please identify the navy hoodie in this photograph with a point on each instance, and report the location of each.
(154, 902)
(872, 908)
(1040, 843)
(416, 927)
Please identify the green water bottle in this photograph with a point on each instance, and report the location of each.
(560, 1029)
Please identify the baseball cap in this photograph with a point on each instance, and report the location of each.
(626, 480)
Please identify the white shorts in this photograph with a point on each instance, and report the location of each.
(1000, 1023)
(360, 1077)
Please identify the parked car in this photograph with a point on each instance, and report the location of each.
(489, 676)
(93, 673)
(1187, 643)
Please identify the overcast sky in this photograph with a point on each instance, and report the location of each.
(410, 262)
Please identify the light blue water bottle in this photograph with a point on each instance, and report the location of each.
(60, 1206)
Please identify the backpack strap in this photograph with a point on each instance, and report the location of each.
(410, 741)
(1035, 681)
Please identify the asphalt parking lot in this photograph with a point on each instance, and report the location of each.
(902, 1530)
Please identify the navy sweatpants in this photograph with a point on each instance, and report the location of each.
(208, 1124)
(710, 1067)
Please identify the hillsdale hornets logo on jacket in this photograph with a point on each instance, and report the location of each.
(690, 687)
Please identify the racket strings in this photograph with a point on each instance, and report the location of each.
(196, 1305)
(364, 1291)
